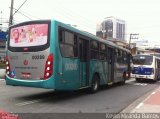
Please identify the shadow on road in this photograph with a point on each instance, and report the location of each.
(148, 81)
(57, 96)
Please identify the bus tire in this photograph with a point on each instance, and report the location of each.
(124, 78)
(137, 80)
(155, 79)
(95, 84)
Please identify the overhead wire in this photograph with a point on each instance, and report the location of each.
(20, 7)
(87, 23)
(114, 30)
(23, 14)
(78, 18)
(69, 15)
(71, 12)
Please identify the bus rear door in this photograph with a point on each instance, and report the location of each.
(84, 62)
(110, 65)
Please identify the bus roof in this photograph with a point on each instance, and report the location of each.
(157, 57)
(87, 34)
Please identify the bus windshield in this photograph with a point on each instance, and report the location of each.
(142, 60)
(28, 35)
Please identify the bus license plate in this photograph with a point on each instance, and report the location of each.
(141, 76)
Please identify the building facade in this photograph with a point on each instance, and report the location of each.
(111, 28)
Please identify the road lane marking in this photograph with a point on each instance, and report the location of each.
(143, 102)
(140, 104)
(141, 84)
(32, 101)
(130, 80)
(153, 93)
(28, 102)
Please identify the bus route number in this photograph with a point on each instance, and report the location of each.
(36, 57)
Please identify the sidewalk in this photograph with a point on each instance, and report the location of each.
(2, 73)
(6, 115)
(150, 103)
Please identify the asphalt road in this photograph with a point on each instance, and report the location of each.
(111, 99)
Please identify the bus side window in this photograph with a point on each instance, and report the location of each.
(94, 50)
(68, 43)
(61, 35)
(83, 49)
(119, 58)
(158, 63)
(116, 55)
(103, 52)
(124, 56)
(106, 52)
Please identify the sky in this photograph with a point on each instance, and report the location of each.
(142, 16)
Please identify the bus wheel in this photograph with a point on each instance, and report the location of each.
(124, 79)
(156, 79)
(95, 84)
(137, 79)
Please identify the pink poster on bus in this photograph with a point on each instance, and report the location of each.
(29, 35)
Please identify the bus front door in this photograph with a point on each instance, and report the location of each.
(110, 65)
(83, 65)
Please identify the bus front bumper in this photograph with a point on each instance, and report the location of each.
(142, 76)
(48, 84)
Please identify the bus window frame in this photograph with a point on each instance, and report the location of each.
(62, 29)
(104, 52)
(94, 50)
(30, 48)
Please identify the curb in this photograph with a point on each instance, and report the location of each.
(2, 79)
(138, 102)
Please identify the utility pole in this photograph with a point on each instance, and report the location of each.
(11, 13)
(132, 36)
(1, 22)
(104, 30)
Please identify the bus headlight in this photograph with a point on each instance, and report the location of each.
(49, 62)
(152, 70)
(7, 72)
(47, 74)
(48, 68)
(7, 63)
(7, 67)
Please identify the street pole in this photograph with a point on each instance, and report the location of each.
(104, 30)
(130, 41)
(11, 13)
(132, 36)
(1, 22)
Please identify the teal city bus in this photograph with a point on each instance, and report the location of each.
(50, 54)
